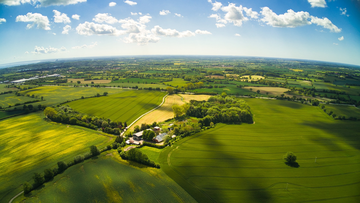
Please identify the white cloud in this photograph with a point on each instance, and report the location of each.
(219, 25)
(2, 20)
(131, 3)
(252, 14)
(141, 38)
(105, 17)
(90, 28)
(133, 14)
(237, 35)
(234, 14)
(43, 50)
(66, 30)
(41, 21)
(75, 16)
(218, 18)
(343, 11)
(111, 4)
(54, 33)
(202, 32)
(145, 19)
(26, 52)
(61, 17)
(317, 3)
(41, 2)
(216, 5)
(325, 23)
(335, 43)
(341, 38)
(289, 19)
(85, 46)
(178, 15)
(157, 30)
(164, 12)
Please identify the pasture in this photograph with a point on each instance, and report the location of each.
(7, 100)
(244, 163)
(151, 152)
(29, 144)
(109, 179)
(229, 89)
(177, 82)
(3, 88)
(276, 91)
(83, 81)
(124, 107)
(161, 114)
(57, 94)
(137, 80)
(253, 77)
(344, 110)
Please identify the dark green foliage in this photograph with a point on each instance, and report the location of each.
(27, 188)
(115, 145)
(119, 139)
(38, 179)
(78, 159)
(62, 166)
(73, 120)
(223, 109)
(94, 150)
(290, 157)
(48, 174)
(148, 135)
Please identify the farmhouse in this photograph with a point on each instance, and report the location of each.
(160, 137)
(138, 135)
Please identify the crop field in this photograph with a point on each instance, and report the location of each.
(253, 77)
(139, 85)
(229, 89)
(188, 97)
(342, 110)
(124, 107)
(58, 94)
(109, 179)
(82, 81)
(29, 144)
(161, 114)
(152, 152)
(177, 82)
(4, 114)
(137, 80)
(277, 91)
(244, 163)
(12, 99)
(3, 88)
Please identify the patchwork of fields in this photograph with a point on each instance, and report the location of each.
(29, 144)
(243, 163)
(109, 179)
(124, 107)
(12, 99)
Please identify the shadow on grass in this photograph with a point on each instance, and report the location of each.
(293, 164)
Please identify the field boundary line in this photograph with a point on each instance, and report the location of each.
(16, 196)
(163, 101)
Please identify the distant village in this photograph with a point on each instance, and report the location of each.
(32, 78)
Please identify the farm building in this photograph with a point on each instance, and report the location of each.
(138, 135)
(157, 128)
(160, 137)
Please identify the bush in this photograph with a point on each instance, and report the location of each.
(115, 145)
(119, 139)
(62, 166)
(94, 150)
(48, 174)
(27, 188)
(290, 157)
(38, 179)
(78, 159)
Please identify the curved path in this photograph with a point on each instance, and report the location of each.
(12, 199)
(145, 114)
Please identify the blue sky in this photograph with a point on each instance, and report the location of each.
(301, 29)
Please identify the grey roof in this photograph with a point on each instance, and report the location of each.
(160, 137)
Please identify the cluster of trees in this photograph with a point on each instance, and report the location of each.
(148, 135)
(65, 114)
(137, 156)
(331, 113)
(221, 108)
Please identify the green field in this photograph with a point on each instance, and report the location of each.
(3, 88)
(57, 94)
(12, 99)
(108, 179)
(29, 144)
(344, 110)
(4, 114)
(243, 163)
(124, 107)
(136, 80)
(177, 82)
(229, 89)
(151, 152)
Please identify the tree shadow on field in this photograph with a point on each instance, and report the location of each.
(291, 104)
(218, 192)
(347, 130)
(293, 164)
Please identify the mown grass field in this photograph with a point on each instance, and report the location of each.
(12, 99)
(344, 110)
(124, 107)
(277, 91)
(161, 114)
(177, 82)
(3, 88)
(109, 179)
(229, 89)
(243, 163)
(57, 94)
(29, 144)
(152, 152)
